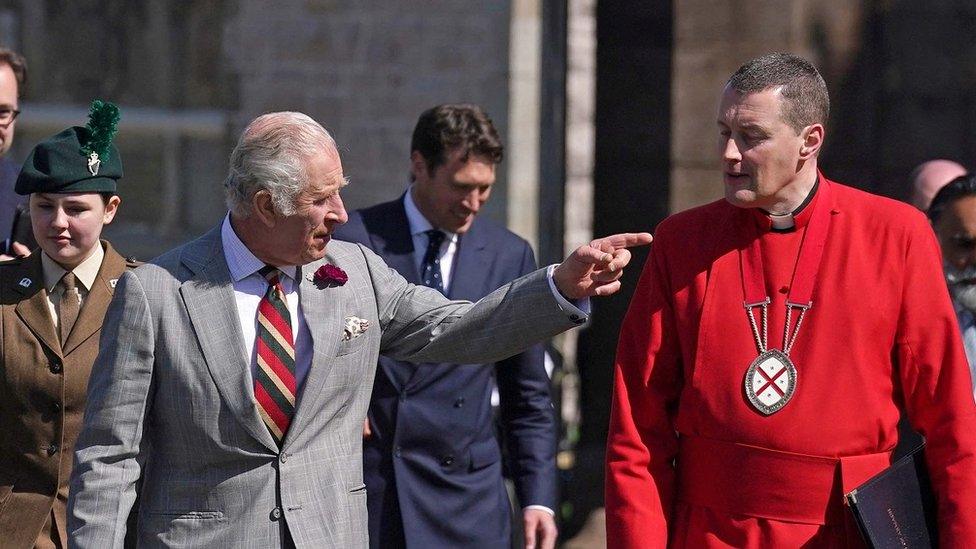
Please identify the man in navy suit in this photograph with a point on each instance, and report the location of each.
(432, 462)
(13, 73)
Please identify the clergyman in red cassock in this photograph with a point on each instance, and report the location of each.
(773, 340)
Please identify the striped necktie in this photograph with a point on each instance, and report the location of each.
(274, 378)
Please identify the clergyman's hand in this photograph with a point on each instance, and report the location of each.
(595, 269)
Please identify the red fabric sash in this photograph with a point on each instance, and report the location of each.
(740, 479)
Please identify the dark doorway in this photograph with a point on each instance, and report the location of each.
(631, 193)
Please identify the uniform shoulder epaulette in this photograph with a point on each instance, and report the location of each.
(131, 262)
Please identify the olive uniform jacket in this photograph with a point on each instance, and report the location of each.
(42, 394)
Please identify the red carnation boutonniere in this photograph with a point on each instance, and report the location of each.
(329, 275)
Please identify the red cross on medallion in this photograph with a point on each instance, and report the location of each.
(770, 382)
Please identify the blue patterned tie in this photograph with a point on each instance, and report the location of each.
(430, 269)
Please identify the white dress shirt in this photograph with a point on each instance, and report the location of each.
(249, 288)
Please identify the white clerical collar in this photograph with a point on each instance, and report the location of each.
(785, 222)
(418, 223)
(782, 222)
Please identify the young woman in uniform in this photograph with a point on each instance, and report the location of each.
(51, 307)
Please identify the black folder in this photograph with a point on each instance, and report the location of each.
(896, 508)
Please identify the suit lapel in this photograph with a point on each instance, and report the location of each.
(212, 308)
(472, 264)
(99, 296)
(34, 310)
(322, 309)
(389, 232)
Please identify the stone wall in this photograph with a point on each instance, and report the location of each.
(364, 70)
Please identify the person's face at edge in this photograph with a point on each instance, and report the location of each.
(8, 101)
(956, 230)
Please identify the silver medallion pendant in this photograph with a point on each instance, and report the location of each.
(770, 381)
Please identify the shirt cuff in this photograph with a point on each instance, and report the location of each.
(540, 508)
(577, 310)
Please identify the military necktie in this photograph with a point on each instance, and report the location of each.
(430, 269)
(274, 378)
(69, 306)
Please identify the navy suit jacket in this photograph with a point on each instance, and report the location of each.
(432, 467)
(8, 199)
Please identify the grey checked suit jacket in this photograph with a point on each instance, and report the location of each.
(170, 402)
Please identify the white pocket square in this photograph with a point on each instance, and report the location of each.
(354, 327)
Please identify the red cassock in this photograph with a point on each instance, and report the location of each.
(691, 462)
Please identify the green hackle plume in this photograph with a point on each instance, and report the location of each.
(103, 123)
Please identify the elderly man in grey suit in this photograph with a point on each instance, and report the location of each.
(235, 371)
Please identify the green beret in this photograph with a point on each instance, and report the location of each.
(77, 160)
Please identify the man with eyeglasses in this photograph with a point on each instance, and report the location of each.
(953, 215)
(13, 72)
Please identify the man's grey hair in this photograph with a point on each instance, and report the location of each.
(272, 155)
(804, 92)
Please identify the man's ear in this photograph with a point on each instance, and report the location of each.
(418, 166)
(813, 138)
(263, 208)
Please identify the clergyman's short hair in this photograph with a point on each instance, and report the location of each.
(443, 128)
(17, 63)
(960, 187)
(804, 92)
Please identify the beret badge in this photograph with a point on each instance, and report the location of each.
(93, 163)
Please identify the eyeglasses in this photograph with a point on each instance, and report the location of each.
(8, 115)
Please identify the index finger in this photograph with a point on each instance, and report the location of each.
(623, 240)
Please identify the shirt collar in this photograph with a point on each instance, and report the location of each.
(85, 272)
(797, 219)
(418, 223)
(781, 222)
(241, 262)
